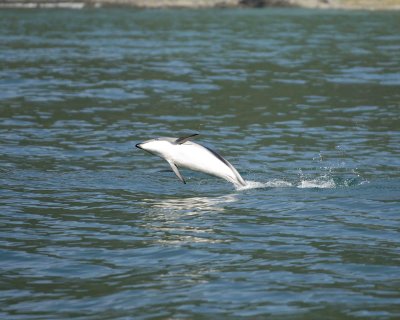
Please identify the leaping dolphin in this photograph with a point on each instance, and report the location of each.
(181, 152)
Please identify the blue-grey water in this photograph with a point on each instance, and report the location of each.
(305, 104)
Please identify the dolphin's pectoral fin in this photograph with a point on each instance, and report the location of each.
(186, 138)
(175, 169)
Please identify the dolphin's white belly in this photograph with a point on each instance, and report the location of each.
(196, 157)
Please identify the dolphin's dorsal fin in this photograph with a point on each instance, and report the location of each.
(175, 169)
(182, 140)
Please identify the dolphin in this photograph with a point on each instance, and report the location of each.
(183, 153)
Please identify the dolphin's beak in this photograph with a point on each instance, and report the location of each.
(138, 146)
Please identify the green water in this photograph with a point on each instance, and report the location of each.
(305, 104)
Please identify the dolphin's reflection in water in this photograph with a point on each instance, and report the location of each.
(186, 220)
(194, 204)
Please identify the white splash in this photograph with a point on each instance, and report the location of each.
(317, 183)
(268, 184)
(320, 183)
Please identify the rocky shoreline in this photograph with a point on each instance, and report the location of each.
(325, 4)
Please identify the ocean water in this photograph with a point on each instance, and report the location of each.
(304, 103)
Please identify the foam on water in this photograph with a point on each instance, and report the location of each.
(317, 183)
(269, 184)
(322, 182)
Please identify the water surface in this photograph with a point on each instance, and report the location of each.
(305, 104)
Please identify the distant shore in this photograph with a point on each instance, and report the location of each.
(325, 4)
